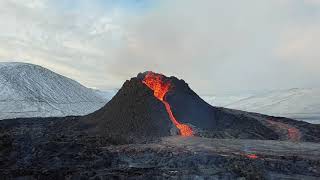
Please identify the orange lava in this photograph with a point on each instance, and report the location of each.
(293, 133)
(252, 156)
(160, 89)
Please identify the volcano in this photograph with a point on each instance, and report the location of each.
(133, 114)
(153, 105)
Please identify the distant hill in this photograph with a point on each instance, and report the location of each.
(28, 90)
(301, 104)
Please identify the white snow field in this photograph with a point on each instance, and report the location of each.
(28, 90)
(298, 103)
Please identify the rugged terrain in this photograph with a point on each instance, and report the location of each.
(41, 149)
(28, 90)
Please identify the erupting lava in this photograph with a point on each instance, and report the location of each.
(160, 88)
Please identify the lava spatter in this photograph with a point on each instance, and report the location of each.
(160, 88)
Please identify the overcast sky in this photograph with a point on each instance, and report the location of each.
(216, 46)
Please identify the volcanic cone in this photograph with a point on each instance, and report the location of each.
(152, 105)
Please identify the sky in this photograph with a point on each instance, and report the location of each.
(216, 46)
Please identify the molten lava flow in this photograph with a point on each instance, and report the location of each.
(252, 156)
(160, 89)
(293, 133)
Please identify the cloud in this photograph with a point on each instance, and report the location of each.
(216, 46)
(71, 42)
(300, 44)
(312, 2)
(220, 46)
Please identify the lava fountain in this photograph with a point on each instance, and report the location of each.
(160, 88)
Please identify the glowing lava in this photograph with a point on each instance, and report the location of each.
(160, 88)
(252, 156)
(293, 133)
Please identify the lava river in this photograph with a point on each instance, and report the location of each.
(160, 88)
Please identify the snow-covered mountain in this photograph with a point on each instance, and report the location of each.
(301, 104)
(28, 90)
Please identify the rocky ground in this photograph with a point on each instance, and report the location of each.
(41, 149)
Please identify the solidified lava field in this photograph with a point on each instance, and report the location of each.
(156, 127)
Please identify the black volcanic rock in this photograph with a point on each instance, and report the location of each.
(133, 114)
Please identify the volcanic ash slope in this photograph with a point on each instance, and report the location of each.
(133, 114)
